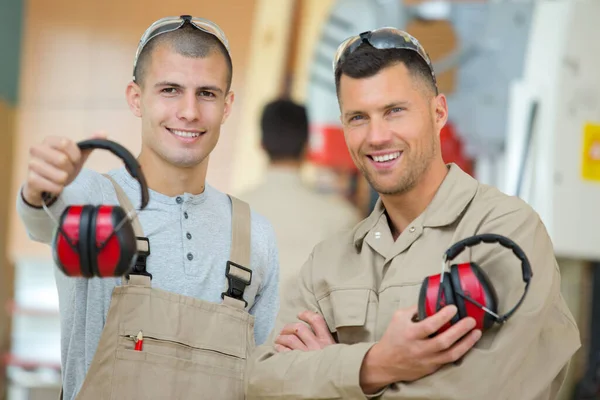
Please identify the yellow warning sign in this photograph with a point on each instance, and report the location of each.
(590, 165)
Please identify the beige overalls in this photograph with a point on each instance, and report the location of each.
(192, 349)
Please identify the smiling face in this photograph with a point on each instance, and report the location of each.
(391, 124)
(182, 101)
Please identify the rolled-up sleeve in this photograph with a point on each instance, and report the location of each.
(331, 373)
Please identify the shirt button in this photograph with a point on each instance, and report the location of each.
(190, 256)
(179, 200)
(412, 229)
(185, 215)
(188, 235)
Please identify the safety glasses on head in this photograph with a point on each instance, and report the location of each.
(381, 39)
(170, 24)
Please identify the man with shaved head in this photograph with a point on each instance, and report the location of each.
(182, 322)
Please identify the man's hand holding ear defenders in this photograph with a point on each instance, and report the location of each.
(407, 351)
(53, 164)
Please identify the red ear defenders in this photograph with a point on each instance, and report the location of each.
(468, 287)
(99, 241)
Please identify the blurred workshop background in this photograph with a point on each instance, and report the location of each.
(524, 98)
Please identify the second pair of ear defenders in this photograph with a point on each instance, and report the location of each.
(468, 287)
(99, 241)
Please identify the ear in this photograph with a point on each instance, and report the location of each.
(440, 111)
(133, 93)
(229, 98)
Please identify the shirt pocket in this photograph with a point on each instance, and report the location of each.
(350, 313)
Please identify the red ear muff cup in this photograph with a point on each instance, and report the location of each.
(67, 258)
(422, 304)
(468, 286)
(84, 240)
(119, 253)
(470, 280)
(428, 298)
(87, 242)
(449, 298)
(127, 244)
(489, 293)
(93, 254)
(88, 227)
(460, 301)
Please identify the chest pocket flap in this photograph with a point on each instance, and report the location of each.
(345, 308)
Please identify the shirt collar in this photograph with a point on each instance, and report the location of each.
(451, 199)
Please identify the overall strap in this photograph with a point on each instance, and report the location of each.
(238, 272)
(141, 277)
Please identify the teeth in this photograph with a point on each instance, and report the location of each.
(185, 134)
(387, 157)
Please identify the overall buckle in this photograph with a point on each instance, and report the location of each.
(237, 284)
(140, 263)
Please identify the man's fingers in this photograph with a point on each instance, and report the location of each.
(41, 185)
(318, 325)
(99, 135)
(304, 333)
(457, 351)
(86, 153)
(432, 324)
(291, 341)
(281, 349)
(52, 156)
(49, 172)
(412, 310)
(402, 315)
(70, 148)
(96, 135)
(448, 338)
(56, 142)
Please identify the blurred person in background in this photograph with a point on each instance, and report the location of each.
(195, 310)
(301, 216)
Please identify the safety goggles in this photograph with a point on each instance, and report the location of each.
(170, 24)
(381, 39)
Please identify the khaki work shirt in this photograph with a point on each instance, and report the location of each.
(357, 281)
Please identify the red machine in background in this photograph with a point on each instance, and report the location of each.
(453, 149)
(327, 148)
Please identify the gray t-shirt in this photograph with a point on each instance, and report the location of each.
(190, 239)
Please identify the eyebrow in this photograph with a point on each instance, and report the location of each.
(198, 89)
(385, 107)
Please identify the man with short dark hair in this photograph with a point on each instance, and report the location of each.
(301, 216)
(183, 322)
(284, 129)
(352, 328)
